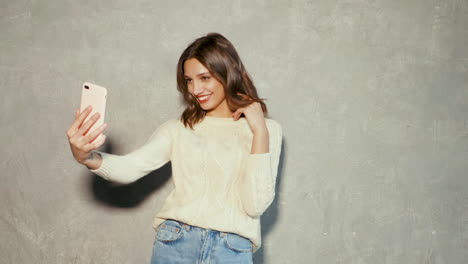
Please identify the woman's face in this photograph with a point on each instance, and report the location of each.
(207, 89)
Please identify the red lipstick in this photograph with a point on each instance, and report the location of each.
(207, 97)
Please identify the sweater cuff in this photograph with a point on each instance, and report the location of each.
(104, 170)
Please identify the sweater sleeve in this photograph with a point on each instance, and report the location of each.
(258, 182)
(130, 167)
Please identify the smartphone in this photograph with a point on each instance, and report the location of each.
(94, 95)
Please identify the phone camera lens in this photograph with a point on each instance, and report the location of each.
(86, 87)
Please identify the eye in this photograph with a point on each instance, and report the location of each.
(188, 80)
(204, 78)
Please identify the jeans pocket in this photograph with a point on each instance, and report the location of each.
(237, 243)
(169, 231)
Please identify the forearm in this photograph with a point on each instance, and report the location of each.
(257, 186)
(258, 182)
(260, 142)
(94, 161)
(130, 167)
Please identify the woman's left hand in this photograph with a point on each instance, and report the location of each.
(254, 115)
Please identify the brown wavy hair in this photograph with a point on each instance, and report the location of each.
(220, 57)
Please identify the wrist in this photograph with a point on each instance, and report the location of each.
(260, 130)
(93, 161)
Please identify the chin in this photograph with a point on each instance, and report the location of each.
(207, 108)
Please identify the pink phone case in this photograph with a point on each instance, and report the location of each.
(94, 95)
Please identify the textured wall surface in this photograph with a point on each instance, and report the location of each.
(372, 96)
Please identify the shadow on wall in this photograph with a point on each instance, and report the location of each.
(268, 219)
(129, 195)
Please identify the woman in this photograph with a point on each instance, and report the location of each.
(224, 155)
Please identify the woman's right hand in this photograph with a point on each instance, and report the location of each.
(80, 145)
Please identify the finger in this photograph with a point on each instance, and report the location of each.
(257, 106)
(83, 130)
(244, 96)
(238, 113)
(235, 114)
(256, 110)
(78, 121)
(73, 127)
(95, 145)
(92, 136)
(99, 144)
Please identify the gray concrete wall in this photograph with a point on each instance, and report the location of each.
(372, 96)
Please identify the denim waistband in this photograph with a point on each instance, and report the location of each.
(188, 227)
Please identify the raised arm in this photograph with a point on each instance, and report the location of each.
(130, 167)
(258, 180)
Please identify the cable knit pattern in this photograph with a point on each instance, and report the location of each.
(218, 184)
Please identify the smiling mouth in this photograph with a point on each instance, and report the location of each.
(204, 98)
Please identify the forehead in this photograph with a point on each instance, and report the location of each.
(192, 67)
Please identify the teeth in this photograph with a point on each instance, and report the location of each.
(203, 97)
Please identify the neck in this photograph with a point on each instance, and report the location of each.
(221, 111)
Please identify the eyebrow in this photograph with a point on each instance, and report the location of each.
(185, 76)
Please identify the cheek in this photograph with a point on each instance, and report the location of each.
(189, 90)
(218, 89)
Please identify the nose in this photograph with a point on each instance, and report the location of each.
(197, 88)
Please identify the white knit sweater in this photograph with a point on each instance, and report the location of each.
(218, 184)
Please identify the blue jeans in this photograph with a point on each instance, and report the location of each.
(177, 242)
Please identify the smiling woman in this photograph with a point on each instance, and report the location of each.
(211, 63)
(207, 90)
(224, 155)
